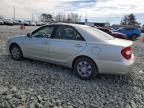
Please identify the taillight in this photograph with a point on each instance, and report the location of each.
(126, 53)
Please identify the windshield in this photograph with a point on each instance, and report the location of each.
(98, 33)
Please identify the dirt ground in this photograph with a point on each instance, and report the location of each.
(8, 31)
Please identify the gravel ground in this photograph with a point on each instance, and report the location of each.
(34, 84)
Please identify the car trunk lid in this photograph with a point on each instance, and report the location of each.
(120, 42)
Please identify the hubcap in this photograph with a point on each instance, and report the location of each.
(15, 52)
(84, 68)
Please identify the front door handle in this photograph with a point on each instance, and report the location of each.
(78, 45)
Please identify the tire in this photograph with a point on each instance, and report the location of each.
(134, 36)
(15, 52)
(85, 68)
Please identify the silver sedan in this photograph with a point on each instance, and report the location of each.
(86, 50)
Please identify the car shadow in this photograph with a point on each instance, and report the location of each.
(45, 65)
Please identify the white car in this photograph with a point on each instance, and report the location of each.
(32, 23)
(86, 50)
(38, 23)
(26, 23)
(8, 21)
(1, 22)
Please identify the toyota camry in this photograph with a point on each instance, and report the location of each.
(86, 50)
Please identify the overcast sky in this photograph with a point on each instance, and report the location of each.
(97, 10)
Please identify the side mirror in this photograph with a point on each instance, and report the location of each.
(29, 35)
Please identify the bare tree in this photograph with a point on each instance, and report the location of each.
(74, 17)
(68, 18)
(60, 18)
(45, 18)
(129, 20)
(1, 17)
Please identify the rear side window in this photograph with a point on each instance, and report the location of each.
(98, 33)
(129, 29)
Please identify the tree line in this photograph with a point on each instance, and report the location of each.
(68, 18)
(129, 20)
(74, 17)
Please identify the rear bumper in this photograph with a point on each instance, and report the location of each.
(115, 67)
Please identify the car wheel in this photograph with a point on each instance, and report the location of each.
(85, 68)
(133, 38)
(16, 52)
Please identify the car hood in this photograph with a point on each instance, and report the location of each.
(18, 37)
(120, 42)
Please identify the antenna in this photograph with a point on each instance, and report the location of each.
(32, 16)
(14, 12)
(86, 17)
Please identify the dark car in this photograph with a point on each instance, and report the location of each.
(114, 34)
(142, 31)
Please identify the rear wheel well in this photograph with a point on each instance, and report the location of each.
(83, 56)
(134, 34)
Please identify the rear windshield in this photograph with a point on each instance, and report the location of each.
(98, 33)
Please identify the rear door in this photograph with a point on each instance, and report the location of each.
(66, 43)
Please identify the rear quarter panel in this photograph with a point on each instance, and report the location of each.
(138, 32)
(100, 52)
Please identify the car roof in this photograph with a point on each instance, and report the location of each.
(68, 24)
(128, 27)
(86, 35)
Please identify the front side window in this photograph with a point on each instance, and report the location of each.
(67, 33)
(127, 29)
(45, 32)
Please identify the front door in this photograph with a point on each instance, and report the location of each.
(37, 46)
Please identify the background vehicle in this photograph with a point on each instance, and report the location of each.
(17, 22)
(142, 32)
(1, 22)
(114, 34)
(86, 50)
(132, 32)
(26, 23)
(32, 23)
(38, 23)
(8, 22)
